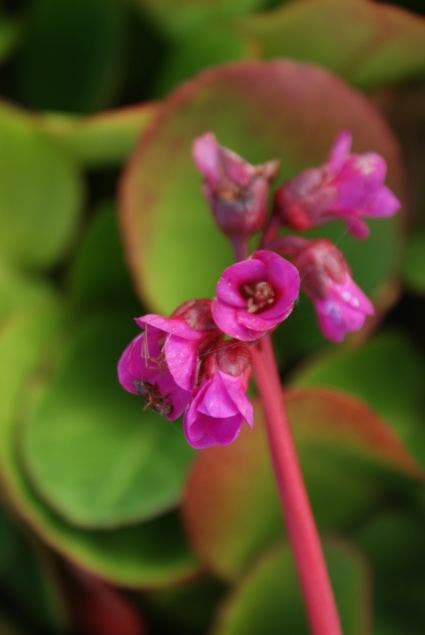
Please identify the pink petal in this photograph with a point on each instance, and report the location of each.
(215, 401)
(351, 295)
(206, 157)
(226, 318)
(232, 278)
(237, 391)
(174, 326)
(384, 204)
(131, 365)
(285, 278)
(236, 168)
(357, 227)
(181, 357)
(340, 152)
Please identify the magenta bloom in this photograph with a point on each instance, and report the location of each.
(236, 191)
(348, 187)
(341, 305)
(255, 295)
(220, 406)
(161, 363)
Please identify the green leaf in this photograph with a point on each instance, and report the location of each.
(189, 607)
(6, 628)
(102, 140)
(393, 543)
(152, 554)
(90, 449)
(40, 193)
(18, 292)
(350, 460)
(28, 578)
(414, 264)
(9, 36)
(188, 16)
(71, 55)
(268, 600)
(369, 44)
(99, 275)
(217, 44)
(388, 373)
(265, 110)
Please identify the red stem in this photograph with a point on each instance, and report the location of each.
(240, 247)
(302, 531)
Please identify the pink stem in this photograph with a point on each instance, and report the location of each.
(240, 247)
(302, 531)
(270, 231)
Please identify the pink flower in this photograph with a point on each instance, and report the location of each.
(348, 187)
(341, 305)
(236, 191)
(220, 405)
(161, 363)
(255, 295)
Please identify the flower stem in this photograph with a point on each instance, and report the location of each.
(240, 247)
(302, 531)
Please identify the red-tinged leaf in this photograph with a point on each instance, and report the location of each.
(262, 110)
(371, 373)
(347, 453)
(367, 43)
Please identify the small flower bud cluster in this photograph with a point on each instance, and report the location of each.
(197, 363)
(348, 187)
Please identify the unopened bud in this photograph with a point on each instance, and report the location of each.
(237, 192)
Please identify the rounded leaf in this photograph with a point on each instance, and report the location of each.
(268, 600)
(151, 554)
(269, 110)
(40, 193)
(367, 43)
(349, 459)
(372, 372)
(90, 449)
(101, 140)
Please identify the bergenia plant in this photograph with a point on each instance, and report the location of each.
(197, 363)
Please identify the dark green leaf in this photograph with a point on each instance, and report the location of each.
(268, 600)
(71, 54)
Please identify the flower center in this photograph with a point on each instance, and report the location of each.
(259, 295)
(153, 397)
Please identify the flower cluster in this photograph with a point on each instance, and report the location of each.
(197, 363)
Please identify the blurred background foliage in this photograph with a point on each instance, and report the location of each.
(109, 523)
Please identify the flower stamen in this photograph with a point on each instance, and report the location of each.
(259, 295)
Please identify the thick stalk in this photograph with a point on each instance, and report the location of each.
(303, 535)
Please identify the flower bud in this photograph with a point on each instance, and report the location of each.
(341, 306)
(236, 191)
(220, 405)
(348, 187)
